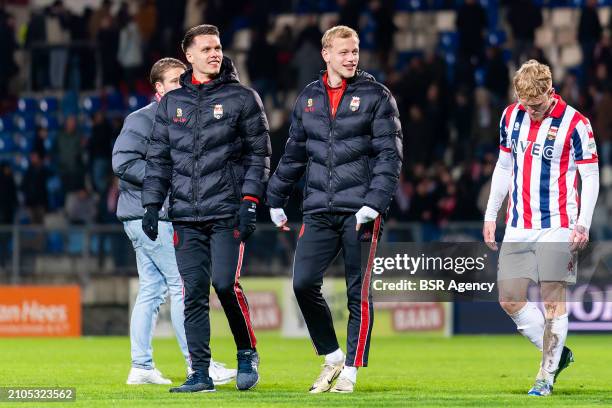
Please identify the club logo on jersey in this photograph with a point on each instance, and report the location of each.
(218, 111)
(309, 105)
(552, 132)
(355, 101)
(179, 116)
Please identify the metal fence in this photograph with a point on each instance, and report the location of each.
(75, 253)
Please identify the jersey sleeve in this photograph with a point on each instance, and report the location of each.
(583, 143)
(504, 140)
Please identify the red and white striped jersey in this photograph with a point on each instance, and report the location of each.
(545, 157)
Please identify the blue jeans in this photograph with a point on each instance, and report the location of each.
(158, 275)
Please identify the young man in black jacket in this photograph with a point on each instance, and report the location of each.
(210, 147)
(345, 135)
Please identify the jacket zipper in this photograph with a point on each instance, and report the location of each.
(331, 141)
(196, 175)
(234, 181)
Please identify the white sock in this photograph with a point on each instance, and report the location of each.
(530, 323)
(335, 358)
(350, 373)
(555, 334)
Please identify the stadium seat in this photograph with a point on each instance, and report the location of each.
(7, 124)
(25, 123)
(136, 102)
(497, 38)
(445, 21)
(70, 103)
(7, 145)
(49, 104)
(565, 36)
(50, 122)
(571, 55)
(402, 21)
(242, 40)
(24, 142)
(544, 37)
(27, 106)
(91, 104)
(114, 102)
(563, 17)
(448, 40)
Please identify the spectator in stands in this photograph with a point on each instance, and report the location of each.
(82, 65)
(57, 22)
(307, 58)
(101, 14)
(349, 12)
(41, 143)
(524, 17)
(108, 45)
(589, 33)
(69, 156)
(602, 125)
(285, 49)
(261, 58)
(129, 53)
(36, 36)
(34, 187)
(8, 204)
(81, 207)
(471, 24)
(382, 16)
(497, 80)
(99, 149)
(8, 46)
(462, 119)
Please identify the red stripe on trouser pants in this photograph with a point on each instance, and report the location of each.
(364, 324)
(244, 308)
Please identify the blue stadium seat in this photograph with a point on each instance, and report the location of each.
(49, 104)
(25, 123)
(479, 76)
(27, 106)
(7, 145)
(50, 122)
(448, 40)
(497, 38)
(7, 124)
(70, 103)
(410, 5)
(136, 102)
(55, 242)
(91, 104)
(114, 102)
(24, 142)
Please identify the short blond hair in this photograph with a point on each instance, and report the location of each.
(532, 80)
(340, 31)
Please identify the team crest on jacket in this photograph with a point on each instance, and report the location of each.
(309, 105)
(218, 111)
(179, 112)
(355, 101)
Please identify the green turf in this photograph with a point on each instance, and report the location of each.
(464, 371)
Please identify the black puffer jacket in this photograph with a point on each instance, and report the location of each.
(350, 161)
(210, 147)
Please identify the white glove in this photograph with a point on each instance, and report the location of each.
(279, 218)
(365, 215)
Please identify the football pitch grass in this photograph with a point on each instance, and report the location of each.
(468, 371)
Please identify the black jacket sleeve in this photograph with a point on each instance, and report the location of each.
(386, 153)
(253, 125)
(292, 164)
(158, 172)
(130, 149)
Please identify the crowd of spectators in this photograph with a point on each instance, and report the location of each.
(449, 111)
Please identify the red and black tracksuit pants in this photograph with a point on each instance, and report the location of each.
(321, 238)
(211, 252)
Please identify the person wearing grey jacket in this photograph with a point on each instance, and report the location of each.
(158, 273)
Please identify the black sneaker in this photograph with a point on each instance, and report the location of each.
(248, 362)
(196, 382)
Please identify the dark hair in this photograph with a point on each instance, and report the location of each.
(193, 32)
(160, 67)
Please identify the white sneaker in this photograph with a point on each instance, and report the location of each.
(324, 381)
(139, 376)
(343, 385)
(219, 374)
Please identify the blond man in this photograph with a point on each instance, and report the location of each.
(544, 145)
(346, 138)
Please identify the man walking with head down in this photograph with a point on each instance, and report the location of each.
(346, 138)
